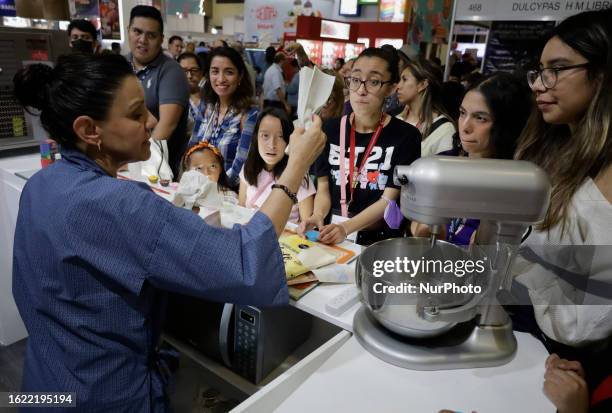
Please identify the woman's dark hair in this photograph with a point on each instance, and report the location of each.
(203, 59)
(254, 164)
(80, 85)
(223, 184)
(570, 156)
(388, 56)
(189, 55)
(510, 101)
(270, 53)
(431, 97)
(242, 99)
(452, 95)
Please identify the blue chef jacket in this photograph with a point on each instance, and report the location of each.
(92, 255)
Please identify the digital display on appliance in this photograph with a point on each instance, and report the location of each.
(368, 2)
(335, 30)
(349, 8)
(247, 317)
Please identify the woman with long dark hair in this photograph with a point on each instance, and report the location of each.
(420, 90)
(568, 275)
(230, 114)
(94, 255)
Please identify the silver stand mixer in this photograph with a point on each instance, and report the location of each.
(462, 329)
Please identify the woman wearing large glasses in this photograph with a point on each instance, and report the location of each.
(570, 136)
(355, 171)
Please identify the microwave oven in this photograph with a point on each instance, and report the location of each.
(249, 340)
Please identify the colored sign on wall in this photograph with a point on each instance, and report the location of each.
(268, 20)
(392, 11)
(496, 10)
(109, 19)
(84, 8)
(7, 8)
(429, 21)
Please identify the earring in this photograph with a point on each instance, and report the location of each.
(99, 146)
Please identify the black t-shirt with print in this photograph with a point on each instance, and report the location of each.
(398, 144)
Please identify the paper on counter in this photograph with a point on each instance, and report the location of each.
(314, 90)
(315, 257)
(337, 273)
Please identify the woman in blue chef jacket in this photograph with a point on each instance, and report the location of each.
(93, 254)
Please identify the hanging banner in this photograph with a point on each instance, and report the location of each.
(525, 10)
(7, 8)
(109, 19)
(392, 11)
(513, 45)
(268, 20)
(429, 21)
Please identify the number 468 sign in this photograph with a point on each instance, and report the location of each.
(509, 10)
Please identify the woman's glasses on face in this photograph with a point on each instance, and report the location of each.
(370, 85)
(549, 76)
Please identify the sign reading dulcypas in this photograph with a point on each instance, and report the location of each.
(268, 20)
(525, 9)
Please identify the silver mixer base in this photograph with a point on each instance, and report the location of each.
(464, 346)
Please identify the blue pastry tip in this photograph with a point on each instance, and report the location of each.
(312, 236)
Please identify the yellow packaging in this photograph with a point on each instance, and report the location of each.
(291, 246)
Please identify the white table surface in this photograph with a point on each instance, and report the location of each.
(353, 380)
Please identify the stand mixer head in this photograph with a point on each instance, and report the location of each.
(507, 196)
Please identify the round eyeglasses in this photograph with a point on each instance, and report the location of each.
(371, 85)
(549, 76)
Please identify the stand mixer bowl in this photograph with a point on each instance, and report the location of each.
(402, 313)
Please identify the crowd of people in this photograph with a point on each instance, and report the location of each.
(211, 111)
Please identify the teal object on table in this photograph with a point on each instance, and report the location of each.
(312, 236)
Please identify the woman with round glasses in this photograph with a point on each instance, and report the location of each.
(568, 273)
(355, 171)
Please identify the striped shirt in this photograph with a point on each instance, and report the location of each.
(227, 134)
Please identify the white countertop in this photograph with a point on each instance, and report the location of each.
(353, 380)
(314, 302)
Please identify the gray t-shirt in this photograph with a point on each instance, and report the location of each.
(273, 80)
(164, 82)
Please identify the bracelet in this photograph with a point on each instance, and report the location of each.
(286, 190)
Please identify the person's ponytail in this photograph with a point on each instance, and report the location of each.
(32, 86)
(79, 85)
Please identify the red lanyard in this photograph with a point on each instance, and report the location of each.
(354, 175)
